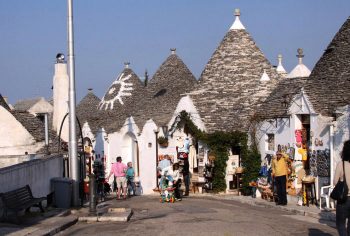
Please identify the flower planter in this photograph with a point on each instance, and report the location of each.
(164, 145)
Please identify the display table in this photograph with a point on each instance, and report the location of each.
(309, 193)
(196, 185)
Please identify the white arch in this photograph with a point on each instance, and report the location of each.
(130, 150)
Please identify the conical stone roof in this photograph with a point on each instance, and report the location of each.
(230, 88)
(171, 81)
(331, 74)
(87, 110)
(122, 91)
(122, 100)
(327, 87)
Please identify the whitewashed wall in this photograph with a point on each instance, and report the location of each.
(18, 140)
(319, 127)
(147, 147)
(341, 132)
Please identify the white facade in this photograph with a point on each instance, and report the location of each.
(18, 140)
(321, 138)
(139, 147)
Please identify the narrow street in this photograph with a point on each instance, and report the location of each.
(203, 216)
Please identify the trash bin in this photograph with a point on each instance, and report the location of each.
(62, 188)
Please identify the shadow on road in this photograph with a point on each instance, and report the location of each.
(317, 232)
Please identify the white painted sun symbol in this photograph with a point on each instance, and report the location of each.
(119, 88)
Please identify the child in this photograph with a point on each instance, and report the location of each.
(172, 174)
(130, 174)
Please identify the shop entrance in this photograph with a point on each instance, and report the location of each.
(305, 139)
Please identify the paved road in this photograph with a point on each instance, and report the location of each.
(203, 216)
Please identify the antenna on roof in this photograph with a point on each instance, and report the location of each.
(173, 51)
(126, 64)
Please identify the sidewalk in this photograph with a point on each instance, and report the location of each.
(311, 211)
(36, 223)
(56, 220)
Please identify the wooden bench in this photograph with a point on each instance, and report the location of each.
(20, 199)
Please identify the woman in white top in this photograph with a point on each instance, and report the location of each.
(343, 209)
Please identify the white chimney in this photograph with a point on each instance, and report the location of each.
(60, 97)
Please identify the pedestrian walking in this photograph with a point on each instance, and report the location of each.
(118, 169)
(343, 208)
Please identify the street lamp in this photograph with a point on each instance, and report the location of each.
(73, 152)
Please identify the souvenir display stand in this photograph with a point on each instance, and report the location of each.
(208, 175)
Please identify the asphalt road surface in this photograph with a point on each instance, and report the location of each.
(202, 216)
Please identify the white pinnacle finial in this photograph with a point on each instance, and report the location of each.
(300, 55)
(279, 59)
(237, 24)
(300, 70)
(126, 64)
(237, 12)
(280, 69)
(173, 51)
(264, 77)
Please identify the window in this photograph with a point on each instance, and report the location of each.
(270, 142)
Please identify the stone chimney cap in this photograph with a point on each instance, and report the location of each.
(60, 58)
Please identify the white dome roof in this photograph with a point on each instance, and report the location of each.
(300, 70)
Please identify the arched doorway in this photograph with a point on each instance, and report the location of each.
(130, 151)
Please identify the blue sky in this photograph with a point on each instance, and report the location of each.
(110, 32)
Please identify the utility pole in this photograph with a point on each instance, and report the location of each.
(73, 152)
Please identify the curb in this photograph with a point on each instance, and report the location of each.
(113, 215)
(63, 224)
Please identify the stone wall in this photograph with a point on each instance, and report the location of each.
(36, 173)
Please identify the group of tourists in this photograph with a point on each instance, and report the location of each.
(169, 176)
(124, 175)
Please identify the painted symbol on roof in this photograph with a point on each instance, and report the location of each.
(119, 89)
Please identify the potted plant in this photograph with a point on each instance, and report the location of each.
(163, 141)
